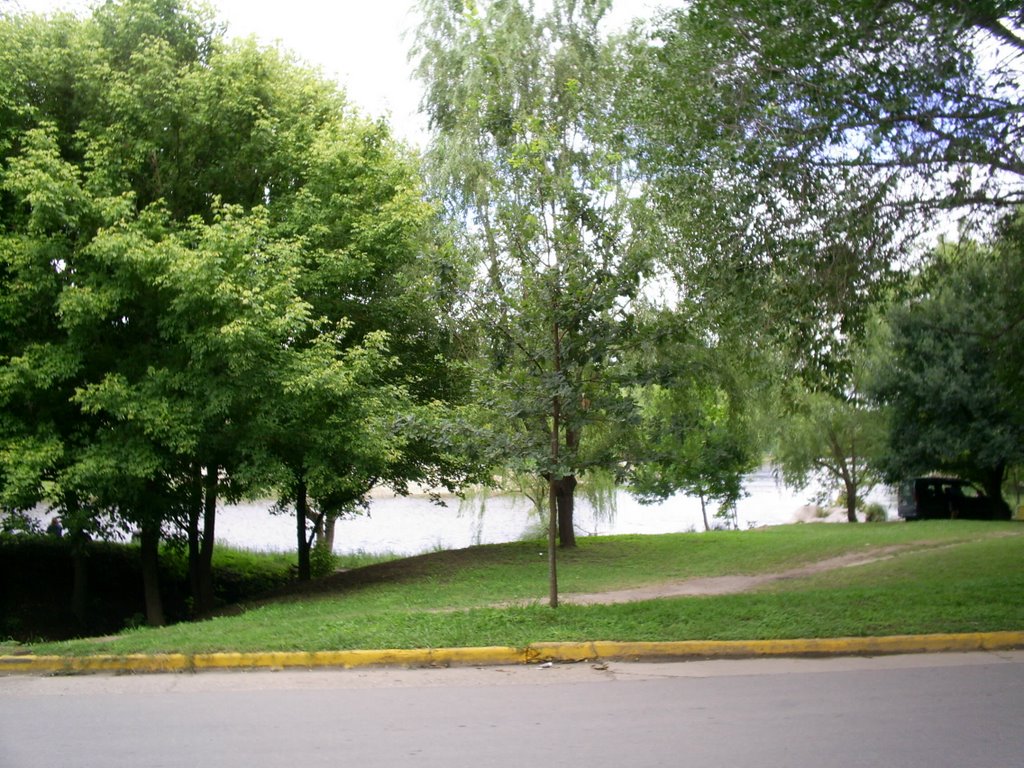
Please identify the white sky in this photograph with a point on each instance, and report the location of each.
(359, 43)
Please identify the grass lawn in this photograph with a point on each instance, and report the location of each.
(943, 576)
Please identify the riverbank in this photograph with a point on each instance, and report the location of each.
(924, 578)
(414, 525)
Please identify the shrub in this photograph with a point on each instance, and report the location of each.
(875, 513)
(321, 562)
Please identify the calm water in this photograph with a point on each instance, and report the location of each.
(414, 525)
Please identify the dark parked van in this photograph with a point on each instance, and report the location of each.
(945, 497)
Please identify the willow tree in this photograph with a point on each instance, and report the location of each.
(526, 152)
(798, 148)
(697, 430)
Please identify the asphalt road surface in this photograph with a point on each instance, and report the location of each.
(962, 710)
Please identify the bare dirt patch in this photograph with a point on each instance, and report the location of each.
(724, 585)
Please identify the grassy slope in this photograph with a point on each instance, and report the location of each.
(956, 576)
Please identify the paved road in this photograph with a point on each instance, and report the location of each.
(962, 710)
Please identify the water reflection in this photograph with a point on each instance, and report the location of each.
(414, 525)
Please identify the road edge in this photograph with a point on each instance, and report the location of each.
(565, 652)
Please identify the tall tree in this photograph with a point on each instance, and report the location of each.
(109, 108)
(954, 386)
(196, 234)
(376, 281)
(798, 147)
(526, 150)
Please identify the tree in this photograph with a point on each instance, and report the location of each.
(198, 241)
(954, 387)
(836, 439)
(377, 282)
(923, 92)
(697, 421)
(98, 192)
(526, 151)
(797, 148)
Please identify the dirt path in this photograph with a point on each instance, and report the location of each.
(724, 585)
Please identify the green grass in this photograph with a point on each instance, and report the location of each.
(955, 577)
(274, 567)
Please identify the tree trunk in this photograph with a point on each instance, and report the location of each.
(79, 543)
(851, 502)
(552, 538)
(150, 553)
(846, 470)
(993, 487)
(567, 494)
(565, 490)
(301, 511)
(204, 600)
(554, 521)
(704, 512)
(330, 521)
(194, 512)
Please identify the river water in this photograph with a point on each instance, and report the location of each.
(413, 525)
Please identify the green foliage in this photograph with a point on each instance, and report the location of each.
(835, 440)
(796, 148)
(875, 512)
(36, 584)
(528, 156)
(954, 387)
(696, 428)
(322, 562)
(217, 278)
(960, 576)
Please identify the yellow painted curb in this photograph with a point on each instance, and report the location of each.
(427, 657)
(840, 646)
(360, 658)
(533, 653)
(58, 665)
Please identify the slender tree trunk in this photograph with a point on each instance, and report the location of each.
(852, 485)
(150, 552)
(704, 512)
(556, 426)
(847, 471)
(205, 597)
(79, 545)
(330, 521)
(301, 512)
(195, 507)
(553, 537)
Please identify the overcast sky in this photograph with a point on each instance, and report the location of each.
(359, 43)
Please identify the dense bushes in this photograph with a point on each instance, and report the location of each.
(37, 582)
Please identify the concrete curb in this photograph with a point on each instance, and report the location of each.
(502, 655)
